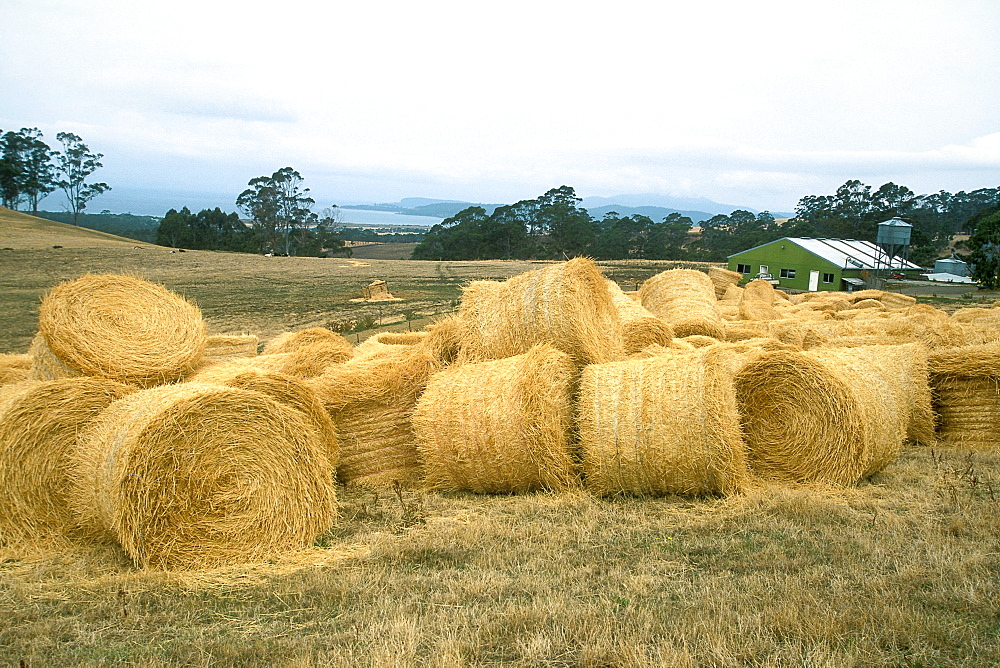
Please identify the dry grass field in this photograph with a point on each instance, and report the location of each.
(903, 570)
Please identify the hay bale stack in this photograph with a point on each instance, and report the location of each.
(224, 347)
(741, 331)
(117, 327)
(287, 390)
(14, 368)
(371, 401)
(966, 387)
(723, 279)
(830, 415)
(39, 424)
(666, 424)
(757, 301)
(685, 298)
(195, 475)
(566, 305)
(499, 427)
(639, 327)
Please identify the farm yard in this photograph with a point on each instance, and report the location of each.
(706, 475)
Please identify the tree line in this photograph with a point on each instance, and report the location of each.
(555, 226)
(281, 220)
(30, 170)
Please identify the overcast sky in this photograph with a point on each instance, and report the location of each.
(748, 103)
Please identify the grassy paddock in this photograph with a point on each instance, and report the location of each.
(903, 570)
(899, 571)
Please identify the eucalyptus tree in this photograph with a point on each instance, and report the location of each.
(73, 166)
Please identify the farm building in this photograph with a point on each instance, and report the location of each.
(818, 264)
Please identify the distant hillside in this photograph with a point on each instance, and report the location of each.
(655, 213)
(128, 225)
(19, 231)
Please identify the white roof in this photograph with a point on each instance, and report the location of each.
(948, 278)
(851, 253)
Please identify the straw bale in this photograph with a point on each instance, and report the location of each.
(979, 332)
(732, 293)
(828, 415)
(666, 424)
(196, 475)
(870, 304)
(723, 279)
(284, 389)
(685, 298)
(222, 347)
(566, 305)
(699, 341)
(444, 339)
(889, 299)
(740, 331)
(14, 368)
(371, 402)
(118, 327)
(639, 327)
(499, 427)
(799, 333)
(968, 411)
(383, 342)
(757, 301)
(39, 424)
(313, 339)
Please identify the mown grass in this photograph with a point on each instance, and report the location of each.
(899, 571)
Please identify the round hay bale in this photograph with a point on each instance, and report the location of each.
(39, 424)
(723, 279)
(732, 294)
(888, 299)
(826, 415)
(685, 299)
(224, 347)
(666, 424)
(195, 475)
(444, 339)
(313, 338)
(499, 427)
(566, 305)
(739, 332)
(383, 342)
(371, 401)
(699, 341)
(757, 301)
(639, 327)
(14, 368)
(870, 304)
(117, 327)
(287, 390)
(968, 411)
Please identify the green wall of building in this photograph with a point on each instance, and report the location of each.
(783, 254)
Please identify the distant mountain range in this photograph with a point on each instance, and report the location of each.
(656, 207)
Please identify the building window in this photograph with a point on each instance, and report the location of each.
(764, 269)
(827, 278)
(788, 273)
(743, 268)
